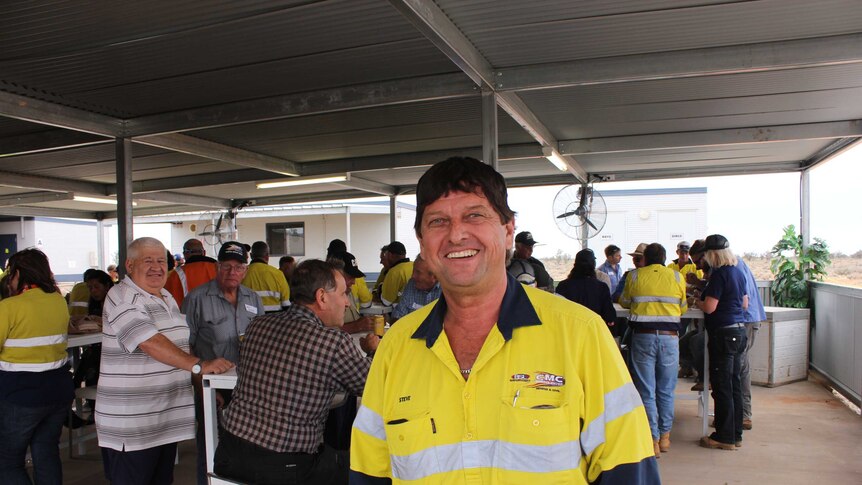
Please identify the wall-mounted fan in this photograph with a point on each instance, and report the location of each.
(579, 211)
(219, 227)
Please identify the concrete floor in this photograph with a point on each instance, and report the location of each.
(802, 435)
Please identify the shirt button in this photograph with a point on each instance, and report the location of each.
(466, 395)
(401, 437)
(535, 422)
(469, 436)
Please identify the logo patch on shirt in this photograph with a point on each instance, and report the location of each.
(546, 379)
(520, 378)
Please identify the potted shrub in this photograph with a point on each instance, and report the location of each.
(793, 266)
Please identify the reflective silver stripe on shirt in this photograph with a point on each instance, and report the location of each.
(266, 293)
(32, 367)
(182, 275)
(618, 402)
(656, 299)
(59, 338)
(78, 304)
(271, 308)
(654, 318)
(487, 454)
(370, 423)
(285, 303)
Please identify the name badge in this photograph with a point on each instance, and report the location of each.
(251, 308)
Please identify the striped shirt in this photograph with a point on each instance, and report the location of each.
(141, 402)
(290, 368)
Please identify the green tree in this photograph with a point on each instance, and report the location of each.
(793, 266)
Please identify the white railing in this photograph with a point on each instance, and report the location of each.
(836, 337)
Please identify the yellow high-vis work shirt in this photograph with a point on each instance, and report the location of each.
(396, 279)
(687, 268)
(79, 300)
(548, 400)
(270, 283)
(361, 293)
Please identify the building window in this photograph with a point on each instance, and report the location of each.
(286, 238)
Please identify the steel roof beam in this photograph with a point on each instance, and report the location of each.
(33, 198)
(367, 185)
(712, 61)
(217, 151)
(310, 197)
(345, 98)
(47, 113)
(448, 38)
(733, 136)
(25, 211)
(54, 184)
(46, 141)
(185, 199)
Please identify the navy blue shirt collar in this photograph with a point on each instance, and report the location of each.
(516, 310)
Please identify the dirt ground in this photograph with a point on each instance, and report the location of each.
(845, 270)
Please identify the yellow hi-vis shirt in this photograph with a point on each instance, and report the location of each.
(687, 268)
(361, 293)
(396, 279)
(548, 400)
(33, 331)
(270, 283)
(79, 300)
(656, 296)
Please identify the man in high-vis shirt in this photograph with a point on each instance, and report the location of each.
(399, 273)
(267, 281)
(79, 296)
(656, 296)
(197, 270)
(496, 382)
(683, 263)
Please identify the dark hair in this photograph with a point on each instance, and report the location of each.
(654, 254)
(336, 246)
(462, 174)
(171, 262)
(101, 277)
(285, 259)
(5, 291)
(582, 269)
(611, 250)
(308, 277)
(260, 250)
(33, 269)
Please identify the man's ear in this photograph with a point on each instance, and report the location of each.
(128, 265)
(320, 296)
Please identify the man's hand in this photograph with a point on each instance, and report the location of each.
(693, 280)
(216, 366)
(219, 401)
(369, 343)
(363, 324)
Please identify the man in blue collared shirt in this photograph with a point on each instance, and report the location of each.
(421, 289)
(611, 266)
(218, 314)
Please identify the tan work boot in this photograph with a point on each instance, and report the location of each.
(664, 442)
(656, 448)
(746, 424)
(708, 442)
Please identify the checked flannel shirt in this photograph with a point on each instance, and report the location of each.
(290, 367)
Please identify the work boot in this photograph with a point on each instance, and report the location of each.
(746, 424)
(664, 442)
(708, 442)
(656, 448)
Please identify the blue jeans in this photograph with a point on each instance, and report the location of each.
(39, 429)
(654, 364)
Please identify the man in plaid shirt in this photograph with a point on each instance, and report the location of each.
(291, 365)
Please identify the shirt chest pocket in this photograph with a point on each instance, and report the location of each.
(412, 445)
(535, 417)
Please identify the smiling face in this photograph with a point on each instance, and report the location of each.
(149, 270)
(464, 242)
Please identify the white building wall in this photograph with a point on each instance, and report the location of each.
(663, 216)
(71, 246)
(404, 219)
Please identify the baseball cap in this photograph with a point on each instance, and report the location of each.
(697, 247)
(639, 251)
(178, 256)
(525, 237)
(350, 266)
(716, 241)
(233, 250)
(683, 246)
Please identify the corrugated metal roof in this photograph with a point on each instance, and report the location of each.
(666, 106)
(514, 33)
